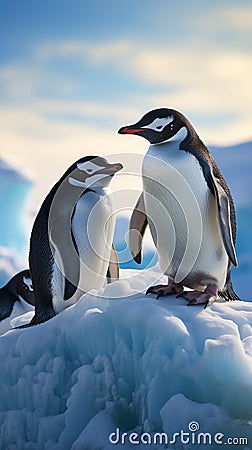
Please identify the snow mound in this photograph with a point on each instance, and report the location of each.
(120, 362)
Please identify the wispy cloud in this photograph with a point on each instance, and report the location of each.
(40, 102)
(237, 18)
(82, 50)
(201, 80)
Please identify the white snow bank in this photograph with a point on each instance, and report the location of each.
(119, 361)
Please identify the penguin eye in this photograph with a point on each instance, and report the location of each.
(89, 170)
(159, 127)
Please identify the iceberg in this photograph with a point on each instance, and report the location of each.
(120, 366)
(14, 188)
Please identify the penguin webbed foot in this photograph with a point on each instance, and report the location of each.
(165, 289)
(201, 298)
(38, 318)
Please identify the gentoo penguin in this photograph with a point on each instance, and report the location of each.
(189, 208)
(18, 287)
(71, 240)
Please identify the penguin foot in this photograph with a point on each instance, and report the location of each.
(201, 298)
(38, 318)
(165, 289)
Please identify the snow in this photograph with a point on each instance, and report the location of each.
(121, 360)
(22, 313)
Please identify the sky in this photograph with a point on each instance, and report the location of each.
(72, 73)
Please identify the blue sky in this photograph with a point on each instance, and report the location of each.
(72, 73)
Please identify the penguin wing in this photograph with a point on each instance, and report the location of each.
(66, 257)
(137, 228)
(224, 214)
(113, 268)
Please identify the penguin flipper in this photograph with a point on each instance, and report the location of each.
(113, 268)
(225, 222)
(137, 228)
(224, 214)
(67, 258)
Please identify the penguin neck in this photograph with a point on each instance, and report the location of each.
(64, 198)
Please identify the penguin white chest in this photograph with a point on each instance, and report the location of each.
(93, 225)
(182, 214)
(93, 228)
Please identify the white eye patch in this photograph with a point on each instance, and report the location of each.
(76, 183)
(88, 167)
(159, 123)
(27, 281)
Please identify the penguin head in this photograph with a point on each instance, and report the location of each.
(157, 126)
(21, 285)
(93, 172)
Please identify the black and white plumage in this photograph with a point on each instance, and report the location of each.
(189, 208)
(19, 287)
(71, 249)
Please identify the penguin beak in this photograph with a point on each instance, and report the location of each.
(111, 169)
(130, 130)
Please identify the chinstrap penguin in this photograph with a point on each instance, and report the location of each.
(18, 287)
(71, 248)
(189, 208)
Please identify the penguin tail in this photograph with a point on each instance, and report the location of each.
(228, 292)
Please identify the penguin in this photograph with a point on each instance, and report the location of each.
(189, 208)
(18, 287)
(71, 240)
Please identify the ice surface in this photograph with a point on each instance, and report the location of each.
(14, 219)
(121, 360)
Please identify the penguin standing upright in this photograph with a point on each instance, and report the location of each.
(189, 208)
(18, 287)
(71, 241)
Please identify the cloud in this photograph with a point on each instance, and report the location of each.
(204, 80)
(206, 69)
(47, 147)
(237, 18)
(83, 50)
(47, 130)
